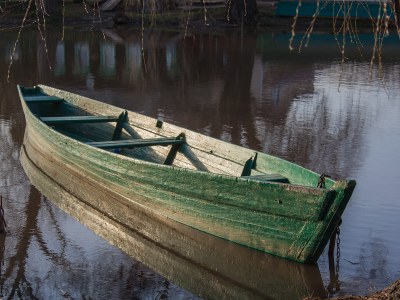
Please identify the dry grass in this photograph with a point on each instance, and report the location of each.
(392, 292)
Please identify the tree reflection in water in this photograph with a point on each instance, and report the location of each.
(16, 263)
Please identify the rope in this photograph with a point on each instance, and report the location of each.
(321, 180)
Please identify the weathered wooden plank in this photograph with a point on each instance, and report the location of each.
(136, 143)
(78, 119)
(191, 156)
(43, 99)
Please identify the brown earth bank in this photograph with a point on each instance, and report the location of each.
(391, 292)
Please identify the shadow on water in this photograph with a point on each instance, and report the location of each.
(205, 265)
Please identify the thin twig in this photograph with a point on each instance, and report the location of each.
(16, 41)
(142, 40)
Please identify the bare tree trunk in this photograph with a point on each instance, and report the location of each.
(242, 11)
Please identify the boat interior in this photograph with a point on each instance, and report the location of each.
(119, 134)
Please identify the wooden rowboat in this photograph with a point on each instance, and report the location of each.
(136, 169)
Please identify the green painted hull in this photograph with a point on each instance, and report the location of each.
(202, 189)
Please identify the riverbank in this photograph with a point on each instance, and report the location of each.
(200, 18)
(195, 18)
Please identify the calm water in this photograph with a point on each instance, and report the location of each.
(247, 89)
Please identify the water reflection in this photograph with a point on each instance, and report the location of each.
(133, 61)
(59, 68)
(81, 59)
(305, 107)
(15, 273)
(107, 59)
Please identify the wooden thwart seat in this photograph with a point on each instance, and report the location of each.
(78, 119)
(137, 143)
(268, 178)
(43, 99)
(251, 164)
(175, 142)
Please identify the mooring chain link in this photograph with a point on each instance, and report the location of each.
(334, 284)
(337, 252)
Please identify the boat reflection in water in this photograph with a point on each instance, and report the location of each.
(204, 264)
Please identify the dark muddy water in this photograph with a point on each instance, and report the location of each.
(247, 89)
